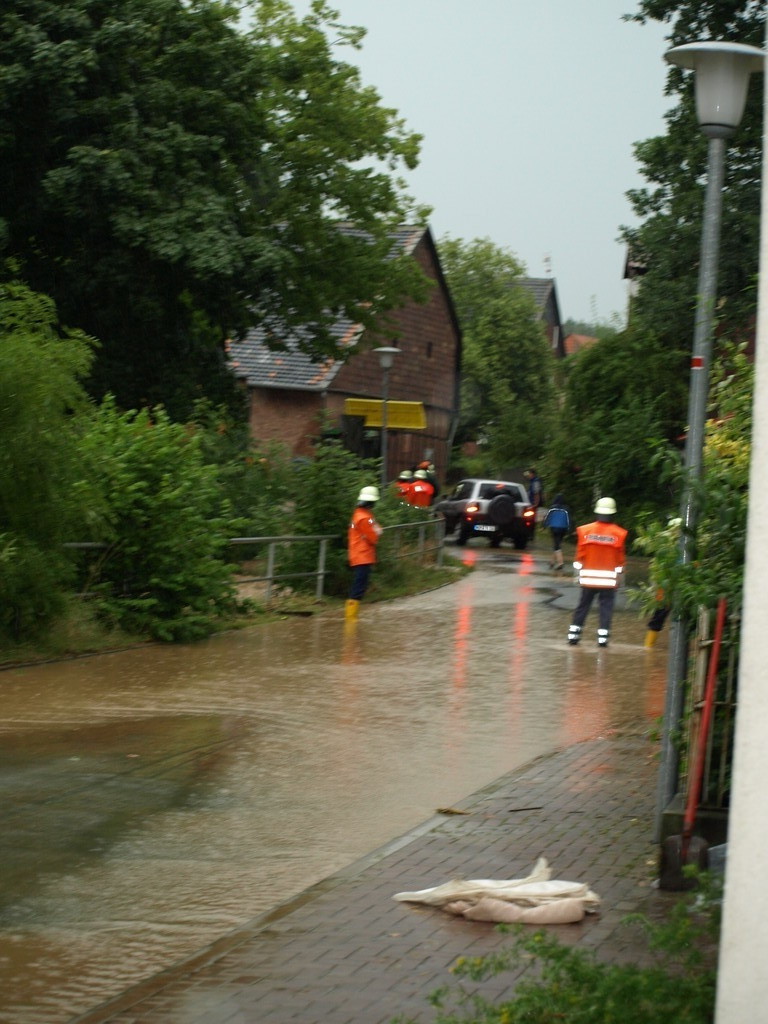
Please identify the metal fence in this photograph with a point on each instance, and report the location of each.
(405, 540)
(716, 782)
(429, 536)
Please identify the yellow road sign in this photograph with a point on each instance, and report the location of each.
(400, 415)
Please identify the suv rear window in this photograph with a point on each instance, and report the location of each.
(488, 491)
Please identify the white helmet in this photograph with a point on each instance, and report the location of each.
(368, 494)
(420, 474)
(605, 507)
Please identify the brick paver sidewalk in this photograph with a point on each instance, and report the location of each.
(344, 952)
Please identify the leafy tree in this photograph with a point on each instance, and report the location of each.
(41, 504)
(719, 546)
(621, 398)
(508, 373)
(256, 482)
(599, 329)
(164, 571)
(171, 179)
(670, 207)
(324, 492)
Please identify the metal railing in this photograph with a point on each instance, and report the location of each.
(272, 544)
(424, 546)
(429, 539)
(716, 783)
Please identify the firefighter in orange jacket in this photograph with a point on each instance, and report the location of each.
(403, 485)
(362, 537)
(600, 557)
(422, 491)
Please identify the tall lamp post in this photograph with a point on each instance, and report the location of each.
(722, 78)
(386, 356)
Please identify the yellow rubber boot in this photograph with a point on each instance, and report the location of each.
(651, 637)
(351, 609)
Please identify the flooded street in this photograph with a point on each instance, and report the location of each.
(154, 799)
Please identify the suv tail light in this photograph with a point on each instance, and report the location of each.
(472, 507)
(529, 515)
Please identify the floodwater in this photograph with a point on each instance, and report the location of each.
(154, 799)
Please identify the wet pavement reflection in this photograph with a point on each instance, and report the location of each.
(154, 799)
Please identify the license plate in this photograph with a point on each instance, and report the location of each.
(485, 529)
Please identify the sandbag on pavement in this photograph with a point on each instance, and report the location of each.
(535, 890)
(565, 911)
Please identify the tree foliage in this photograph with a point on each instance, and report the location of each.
(621, 399)
(670, 207)
(164, 572)
(41, 502)
(508, 389)
(716, 568)
(171, 178)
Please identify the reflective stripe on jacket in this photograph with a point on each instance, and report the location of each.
(600, 550)
(362, 537)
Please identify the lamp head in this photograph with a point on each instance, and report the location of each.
(722, 78)
(386, 355)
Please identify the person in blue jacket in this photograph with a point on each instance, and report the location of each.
(558, 521)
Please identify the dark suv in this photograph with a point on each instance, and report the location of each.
(490, 508)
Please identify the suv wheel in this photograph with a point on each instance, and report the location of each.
(501, 510)
(521, 543)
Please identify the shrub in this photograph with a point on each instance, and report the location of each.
(324, 493)
(255, 481)
(164, 573)
(41, 506)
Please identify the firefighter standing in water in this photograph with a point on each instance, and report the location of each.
(600, 557)
(362, 537)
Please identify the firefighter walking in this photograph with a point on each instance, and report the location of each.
(600, 558)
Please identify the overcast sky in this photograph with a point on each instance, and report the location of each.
(529, 110)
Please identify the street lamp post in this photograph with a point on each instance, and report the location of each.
(386, 356)
(722, 78)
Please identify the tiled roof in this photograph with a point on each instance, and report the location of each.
(539, 287)
(253, 361)
(576, 342)
(257, 364)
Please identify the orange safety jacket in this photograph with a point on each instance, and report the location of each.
(422, 493)
(600, 554)
(362, 537)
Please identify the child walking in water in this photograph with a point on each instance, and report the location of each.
(558, 522)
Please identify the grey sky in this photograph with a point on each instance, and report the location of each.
(529, 110)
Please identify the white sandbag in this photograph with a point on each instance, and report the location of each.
(464, 889)
(566, 911)
(458, 907)
(534, 890)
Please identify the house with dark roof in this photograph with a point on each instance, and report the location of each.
(293, 399)
(544, 293)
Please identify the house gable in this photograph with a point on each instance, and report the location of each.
(290, 394)
(544, 293)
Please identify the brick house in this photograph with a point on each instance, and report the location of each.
(293, 400)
